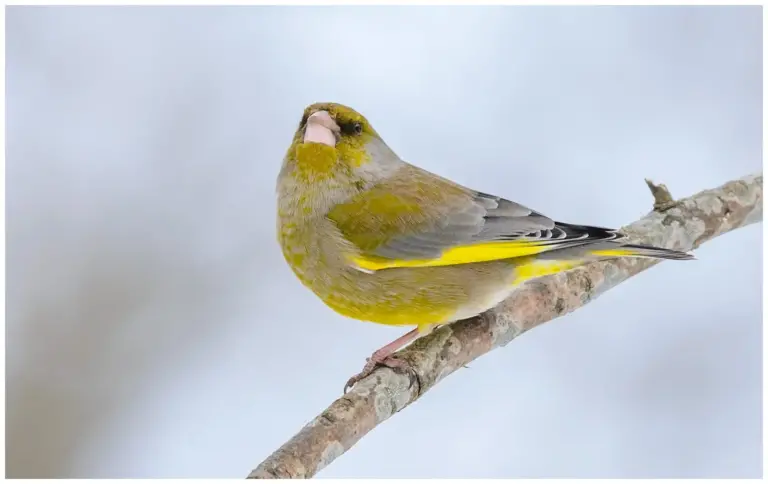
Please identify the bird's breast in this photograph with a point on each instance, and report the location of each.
(317, 254)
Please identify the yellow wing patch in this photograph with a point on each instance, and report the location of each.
(614, 252)
(481, 252)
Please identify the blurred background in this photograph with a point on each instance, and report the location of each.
(153, 329)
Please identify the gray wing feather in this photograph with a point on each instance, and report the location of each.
(485, 219)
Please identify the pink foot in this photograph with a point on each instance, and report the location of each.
(383, 357)
(388, 361)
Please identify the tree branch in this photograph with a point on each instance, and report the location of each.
(682, 225)
(662, 199)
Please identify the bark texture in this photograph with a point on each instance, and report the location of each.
(683, 224)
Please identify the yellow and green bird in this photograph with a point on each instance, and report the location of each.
(379, 239)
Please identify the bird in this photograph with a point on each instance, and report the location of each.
(382, 240)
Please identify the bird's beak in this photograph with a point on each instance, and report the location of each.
(321, 128)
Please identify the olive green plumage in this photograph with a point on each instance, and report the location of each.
(381, 240)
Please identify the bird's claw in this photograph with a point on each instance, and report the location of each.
(370, 365)
(395, 364)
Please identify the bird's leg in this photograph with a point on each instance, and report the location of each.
(383, 356)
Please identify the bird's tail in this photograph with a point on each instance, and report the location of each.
(584, 244)
(635, 250)
(597, 243)
(569, 258)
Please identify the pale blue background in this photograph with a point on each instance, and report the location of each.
(154, 329)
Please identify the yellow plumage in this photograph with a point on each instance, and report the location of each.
(465, 254)
(381, 240)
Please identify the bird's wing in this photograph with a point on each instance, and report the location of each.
(417, 219)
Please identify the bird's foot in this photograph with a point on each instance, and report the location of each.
(384, 359)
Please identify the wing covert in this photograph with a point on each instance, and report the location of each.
(417, 219)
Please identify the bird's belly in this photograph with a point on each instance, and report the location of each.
(421, 296)
(399, 297)
(394, 314)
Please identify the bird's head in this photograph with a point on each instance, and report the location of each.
(332, 137)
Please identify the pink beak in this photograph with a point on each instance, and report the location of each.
(321, 128)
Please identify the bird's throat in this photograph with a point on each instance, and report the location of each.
(315, 160)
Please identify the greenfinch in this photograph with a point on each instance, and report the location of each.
(381, 240)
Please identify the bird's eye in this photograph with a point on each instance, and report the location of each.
(353, 128)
